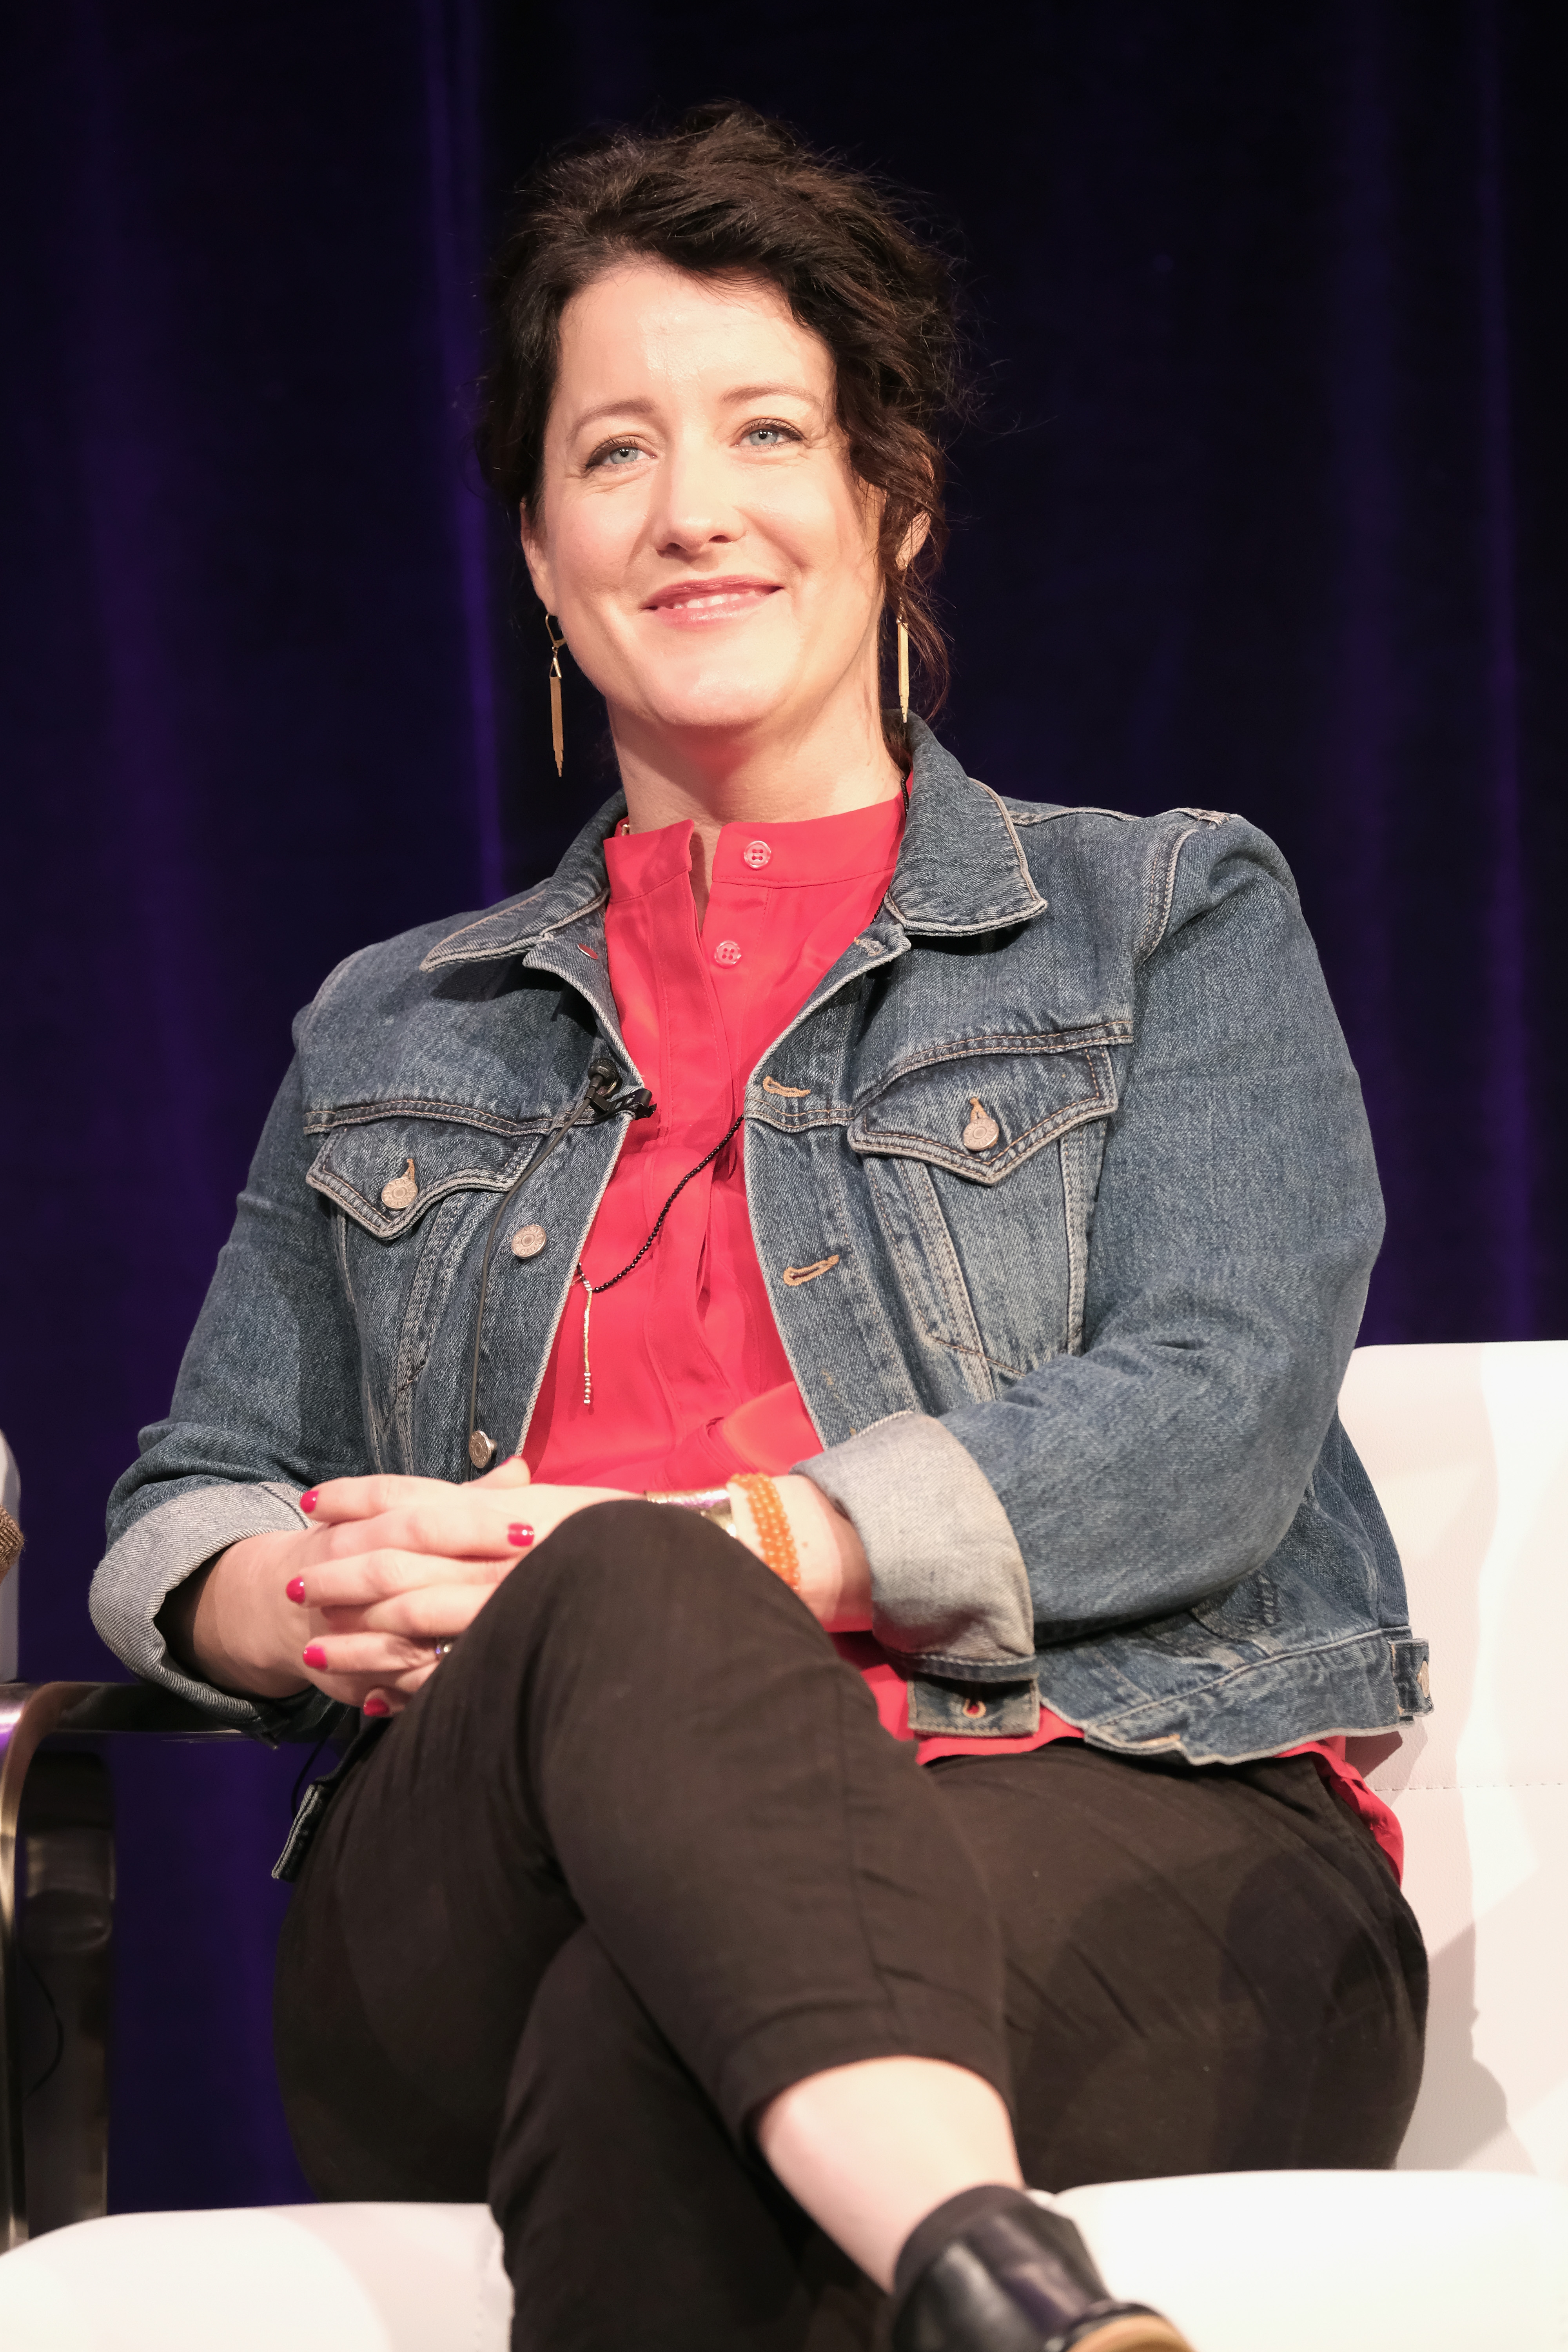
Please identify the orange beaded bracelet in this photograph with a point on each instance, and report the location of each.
(773, 1524)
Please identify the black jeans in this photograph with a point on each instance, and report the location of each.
(640, 1855)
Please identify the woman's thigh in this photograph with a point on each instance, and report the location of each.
(1208, 1970)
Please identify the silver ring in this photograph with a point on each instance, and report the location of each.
(444, 1649)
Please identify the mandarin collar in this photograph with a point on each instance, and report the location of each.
(961, 868)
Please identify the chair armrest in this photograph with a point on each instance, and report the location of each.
(31, 1713)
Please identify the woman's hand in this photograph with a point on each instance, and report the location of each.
(388, 1567)
(398, 1564)
(357, 1602)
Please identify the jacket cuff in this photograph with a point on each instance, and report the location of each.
(154, 1556)
(949, 1595)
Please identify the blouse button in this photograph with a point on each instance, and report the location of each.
(757, 854)
(727, 952)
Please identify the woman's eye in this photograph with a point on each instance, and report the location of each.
(614, 452)
(768, 436)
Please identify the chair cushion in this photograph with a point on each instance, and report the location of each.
(1339, 2262)
(280, 2278)
(1245, 2261)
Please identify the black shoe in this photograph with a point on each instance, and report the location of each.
(993, 2272)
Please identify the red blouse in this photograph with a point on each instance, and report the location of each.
(690, 1381)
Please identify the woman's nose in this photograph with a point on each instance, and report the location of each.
(692, 506)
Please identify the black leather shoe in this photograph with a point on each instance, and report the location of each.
(993, 2272)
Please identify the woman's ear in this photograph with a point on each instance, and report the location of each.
(540, 570)
(914, 538)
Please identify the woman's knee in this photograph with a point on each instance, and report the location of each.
(644, 1578)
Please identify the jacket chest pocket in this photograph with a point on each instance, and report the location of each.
(983, 1164)
(417, 1190)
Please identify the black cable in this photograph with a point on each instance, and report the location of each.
(638, 1103)
(304, 1774)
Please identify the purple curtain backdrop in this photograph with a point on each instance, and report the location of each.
(1267, 511)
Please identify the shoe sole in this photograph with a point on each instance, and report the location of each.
(1132, 2334)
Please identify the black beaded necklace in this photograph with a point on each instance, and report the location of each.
(594, 1288)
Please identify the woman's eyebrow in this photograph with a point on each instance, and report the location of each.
(772, 392)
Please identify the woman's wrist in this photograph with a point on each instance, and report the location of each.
(834, 1575)
(231, 1625)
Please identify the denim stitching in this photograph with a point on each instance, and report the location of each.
(1098, 1104)
(392, 1229)
(514, 946)
(340, 1115)
(1158, 902)
(941, 1254)
(1073, 1192)
(1116, 1029)
(918, 1294)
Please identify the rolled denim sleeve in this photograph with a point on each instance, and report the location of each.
(948, 1582)
(267, 1403)
(1234, 1232)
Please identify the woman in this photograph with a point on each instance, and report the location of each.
(964, 1204)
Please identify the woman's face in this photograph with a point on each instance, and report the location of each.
(701, 538)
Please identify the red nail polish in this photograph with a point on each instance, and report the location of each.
(308, 1502)
(313, 1654)
(376, 1707)
(295, 1587)
(518, 1536)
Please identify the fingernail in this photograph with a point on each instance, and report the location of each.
(308, 1502)
(376, 1707)
(295, 1587)
(518, 1536)
(313, 1654)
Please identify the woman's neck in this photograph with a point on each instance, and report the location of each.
(715, 778)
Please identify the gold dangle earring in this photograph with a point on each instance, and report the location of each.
(557, 732)
(903, 668)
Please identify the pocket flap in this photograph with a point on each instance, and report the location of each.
(983, 1104)
(386, 1172)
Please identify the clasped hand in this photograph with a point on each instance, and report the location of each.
(389, 1565)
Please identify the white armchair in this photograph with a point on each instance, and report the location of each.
(1463, 2247)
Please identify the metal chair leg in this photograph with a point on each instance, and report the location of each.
(28, 1713)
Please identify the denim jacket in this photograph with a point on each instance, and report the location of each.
(1064, 1194)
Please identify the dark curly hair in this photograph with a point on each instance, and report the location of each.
(729, 190)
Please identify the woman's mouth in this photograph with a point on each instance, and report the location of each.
(693, 604)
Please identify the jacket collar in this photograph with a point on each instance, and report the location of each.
(961, 869)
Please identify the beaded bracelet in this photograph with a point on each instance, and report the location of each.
(773, 1524)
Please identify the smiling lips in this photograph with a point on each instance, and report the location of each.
(692, 603)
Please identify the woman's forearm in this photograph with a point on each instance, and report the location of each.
(233, 1625)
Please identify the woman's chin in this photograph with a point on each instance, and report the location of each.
(718, 706)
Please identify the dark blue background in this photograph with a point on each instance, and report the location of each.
(1267, 510)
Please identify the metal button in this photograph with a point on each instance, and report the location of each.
(757, 854)
(482, 1449)
(727, 952)
(982, 1131)
(974, 1706)
(528, 1241)
(400, 1191)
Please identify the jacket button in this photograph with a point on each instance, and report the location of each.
(982, 1131)
(401, 1192)
(528, 1241)
(757, 854)
(727, 952)
(974, 1706)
